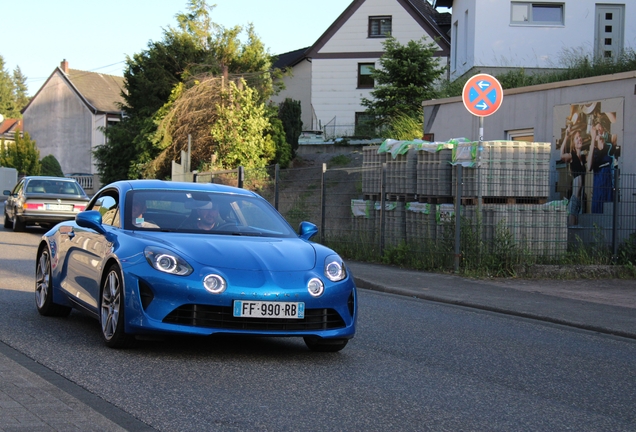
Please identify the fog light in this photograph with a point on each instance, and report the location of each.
(315, 287)
(214, 283)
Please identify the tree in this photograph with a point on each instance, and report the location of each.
(7, 99)
(20, 89)
(290, 113)
(407, 76)
(22, 155)
(50, 167)
(13, 92)
(196, 50)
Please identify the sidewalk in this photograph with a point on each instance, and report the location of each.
(33, 397)
(603, 305)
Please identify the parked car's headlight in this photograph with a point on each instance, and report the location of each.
(334, 268)
(167, 261)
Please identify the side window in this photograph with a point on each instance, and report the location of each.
(365, 80)
(379, 26)
(108, 207)
(18, 188)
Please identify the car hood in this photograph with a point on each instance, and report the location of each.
(243, 253)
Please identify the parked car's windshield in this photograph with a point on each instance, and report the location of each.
(203, 212)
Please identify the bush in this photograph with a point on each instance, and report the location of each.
(49, 166)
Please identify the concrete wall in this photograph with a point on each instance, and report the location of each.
(62, 126)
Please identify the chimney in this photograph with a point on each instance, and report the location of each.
(64, 66)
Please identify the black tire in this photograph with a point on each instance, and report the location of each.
(18, 224)
(111, 310)
(7, 221)
(325, 345)
(44, 287)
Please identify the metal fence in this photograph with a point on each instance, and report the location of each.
(410, 205)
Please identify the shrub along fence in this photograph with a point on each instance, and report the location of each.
(425, 210)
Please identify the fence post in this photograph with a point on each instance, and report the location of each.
(382, 204)
(276, 175)
(615, 217)
(458, 207)
(241, 176)
(322, 203)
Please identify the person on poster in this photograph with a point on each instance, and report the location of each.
(600, 161)
(572, 153)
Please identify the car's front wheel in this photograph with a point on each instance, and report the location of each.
(111, 307)
(44, 287)
(7, 221)
(18, 224)
(325, 345)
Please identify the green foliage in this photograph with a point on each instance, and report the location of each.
(276, 133)
(290, 112)
(407, 76)
(239, 131)
(50, 167)
(22, 155)
(339, 160)
(13, 92)
(403, 127)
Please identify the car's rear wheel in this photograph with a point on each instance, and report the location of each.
(325, 345)
(111, 307)
(44, 287)
(18, 224)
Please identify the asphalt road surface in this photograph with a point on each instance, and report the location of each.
(414, 365)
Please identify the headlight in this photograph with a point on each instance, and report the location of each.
(334, 268)
(315, 287)
(214, 283)
(167, 261)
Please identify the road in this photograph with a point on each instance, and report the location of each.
(414, 365)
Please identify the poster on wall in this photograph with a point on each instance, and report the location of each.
(588, 138)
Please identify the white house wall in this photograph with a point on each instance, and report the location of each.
(352, 36)
(335, 69)
(298, 87)
(334, 90)
(56, 118)
(485, 38)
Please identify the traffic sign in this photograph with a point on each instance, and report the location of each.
(482, 95)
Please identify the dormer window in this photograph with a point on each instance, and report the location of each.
(379, 26)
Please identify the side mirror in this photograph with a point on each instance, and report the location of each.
(91, 219)
(307, 230)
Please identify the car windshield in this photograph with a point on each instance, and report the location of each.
(203, 212)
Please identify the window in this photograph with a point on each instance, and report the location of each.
(526, 135)
(379, 26)
(107, 206)
(536, 13)
(365, 80)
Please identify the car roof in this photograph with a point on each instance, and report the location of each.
(50, 178)
(173, 185)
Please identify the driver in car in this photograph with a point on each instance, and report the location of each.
(208, 217)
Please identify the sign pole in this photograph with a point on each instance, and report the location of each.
(482, 96)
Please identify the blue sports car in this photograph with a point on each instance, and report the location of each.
(150, 257)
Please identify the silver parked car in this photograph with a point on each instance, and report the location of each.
(43, 201)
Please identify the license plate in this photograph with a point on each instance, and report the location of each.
(59, 207)
(268, 309)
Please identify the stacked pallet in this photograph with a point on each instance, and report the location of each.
(507, 169)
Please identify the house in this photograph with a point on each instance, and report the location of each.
(66, 116)
(331, 77)
(8, 128)
(496, 36)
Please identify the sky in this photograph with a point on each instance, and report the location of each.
(97, 36)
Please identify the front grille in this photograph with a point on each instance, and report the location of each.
(220, 317)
